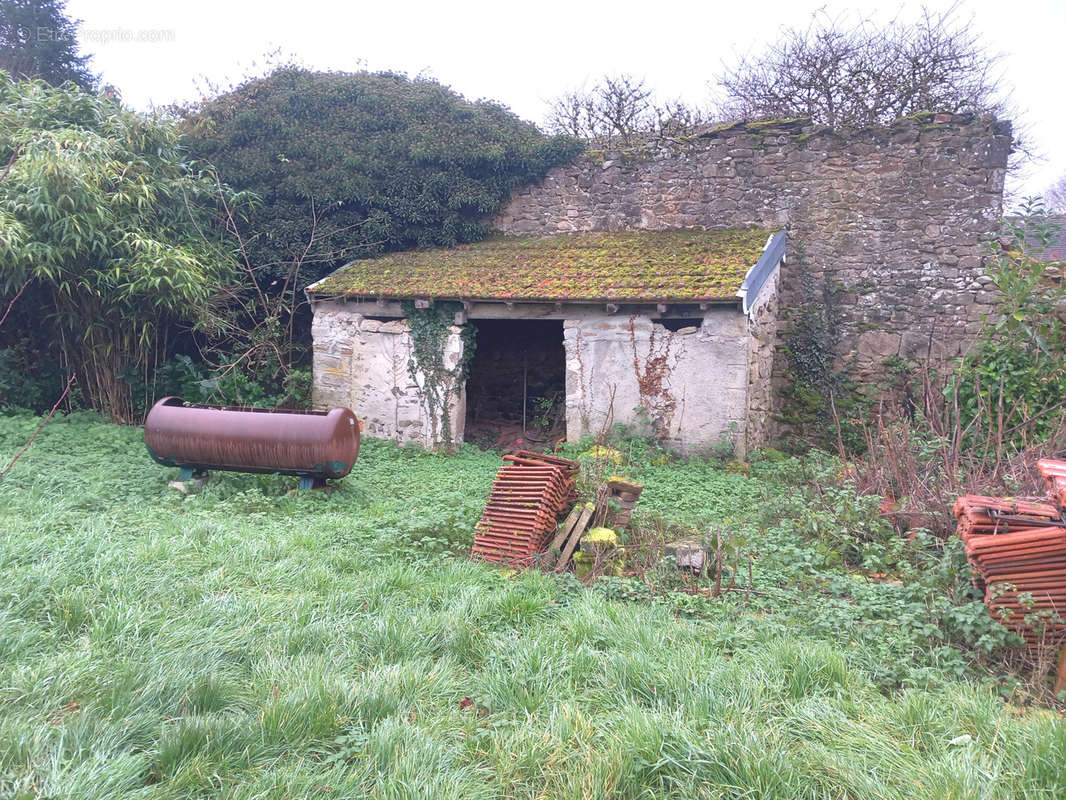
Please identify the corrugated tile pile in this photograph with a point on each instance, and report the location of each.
(1017, 549)
(531, 492)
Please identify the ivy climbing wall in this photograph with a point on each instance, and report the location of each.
(366, 365)
(696, 385)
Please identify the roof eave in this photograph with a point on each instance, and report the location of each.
(621, 301)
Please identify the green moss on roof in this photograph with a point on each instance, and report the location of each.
(629, 266)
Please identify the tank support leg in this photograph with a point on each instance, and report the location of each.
(310, 482)
(189, 478)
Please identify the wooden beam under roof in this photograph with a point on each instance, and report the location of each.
(496, 309)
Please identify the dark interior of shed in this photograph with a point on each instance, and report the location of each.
(516, 387)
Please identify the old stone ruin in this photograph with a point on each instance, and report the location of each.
(894, 218)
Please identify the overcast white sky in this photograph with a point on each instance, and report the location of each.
(523, 54)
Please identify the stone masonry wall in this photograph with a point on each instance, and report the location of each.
(692, 383)
(362, 364)
(763, 321)
(894, 215)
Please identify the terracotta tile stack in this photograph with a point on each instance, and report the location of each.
(1017, 549)
(531, 492)
(1054, 473)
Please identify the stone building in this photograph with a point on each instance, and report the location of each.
(640, 298)
(669, 330)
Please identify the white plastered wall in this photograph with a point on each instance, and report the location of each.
(363, 364)
(689, 387)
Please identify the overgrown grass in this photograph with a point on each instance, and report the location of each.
(245, 643)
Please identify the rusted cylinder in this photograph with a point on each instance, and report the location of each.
(316, 444)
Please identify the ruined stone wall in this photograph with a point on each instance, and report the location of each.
(763, 323)
(691, 384)
(895, 215)
(362, 364)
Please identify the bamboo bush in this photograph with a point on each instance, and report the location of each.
(109, 227)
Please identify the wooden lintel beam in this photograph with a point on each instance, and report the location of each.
(661, 307)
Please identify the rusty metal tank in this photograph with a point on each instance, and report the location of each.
(312, 444)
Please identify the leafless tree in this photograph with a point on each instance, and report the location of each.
(846, 73)
(620, 109)
(678, 118)
(624, 105)
(1055, 196)
(572, 114)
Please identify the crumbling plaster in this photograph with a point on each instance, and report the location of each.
(364, 364)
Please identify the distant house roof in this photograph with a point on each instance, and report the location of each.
(1055, 225)
(633, 266)
(1056, 251)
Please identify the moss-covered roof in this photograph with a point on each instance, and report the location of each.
(630, 266)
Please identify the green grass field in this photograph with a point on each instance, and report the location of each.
(245, 643)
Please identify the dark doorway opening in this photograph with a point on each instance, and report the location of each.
(516, 387)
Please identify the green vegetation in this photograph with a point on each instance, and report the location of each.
(1005, 395)
(129, 263)
(109, 231)
(820, 402)
(930, 431)
(440, 383)
(350, 164)
(643, 265)
(1014, 379)
(244, 642)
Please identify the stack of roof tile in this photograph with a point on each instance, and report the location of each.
(1054, 473)
(531, 492)
(1017, 549)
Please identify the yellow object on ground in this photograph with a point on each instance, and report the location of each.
(594, 543)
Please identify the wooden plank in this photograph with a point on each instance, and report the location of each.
(575, 537)
(566, 528)
(489, 309)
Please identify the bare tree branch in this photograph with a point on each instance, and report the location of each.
(620, 109)
(10, 163)
(11, 305)
(25, 447)
(1055, 196)
(843, 73)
